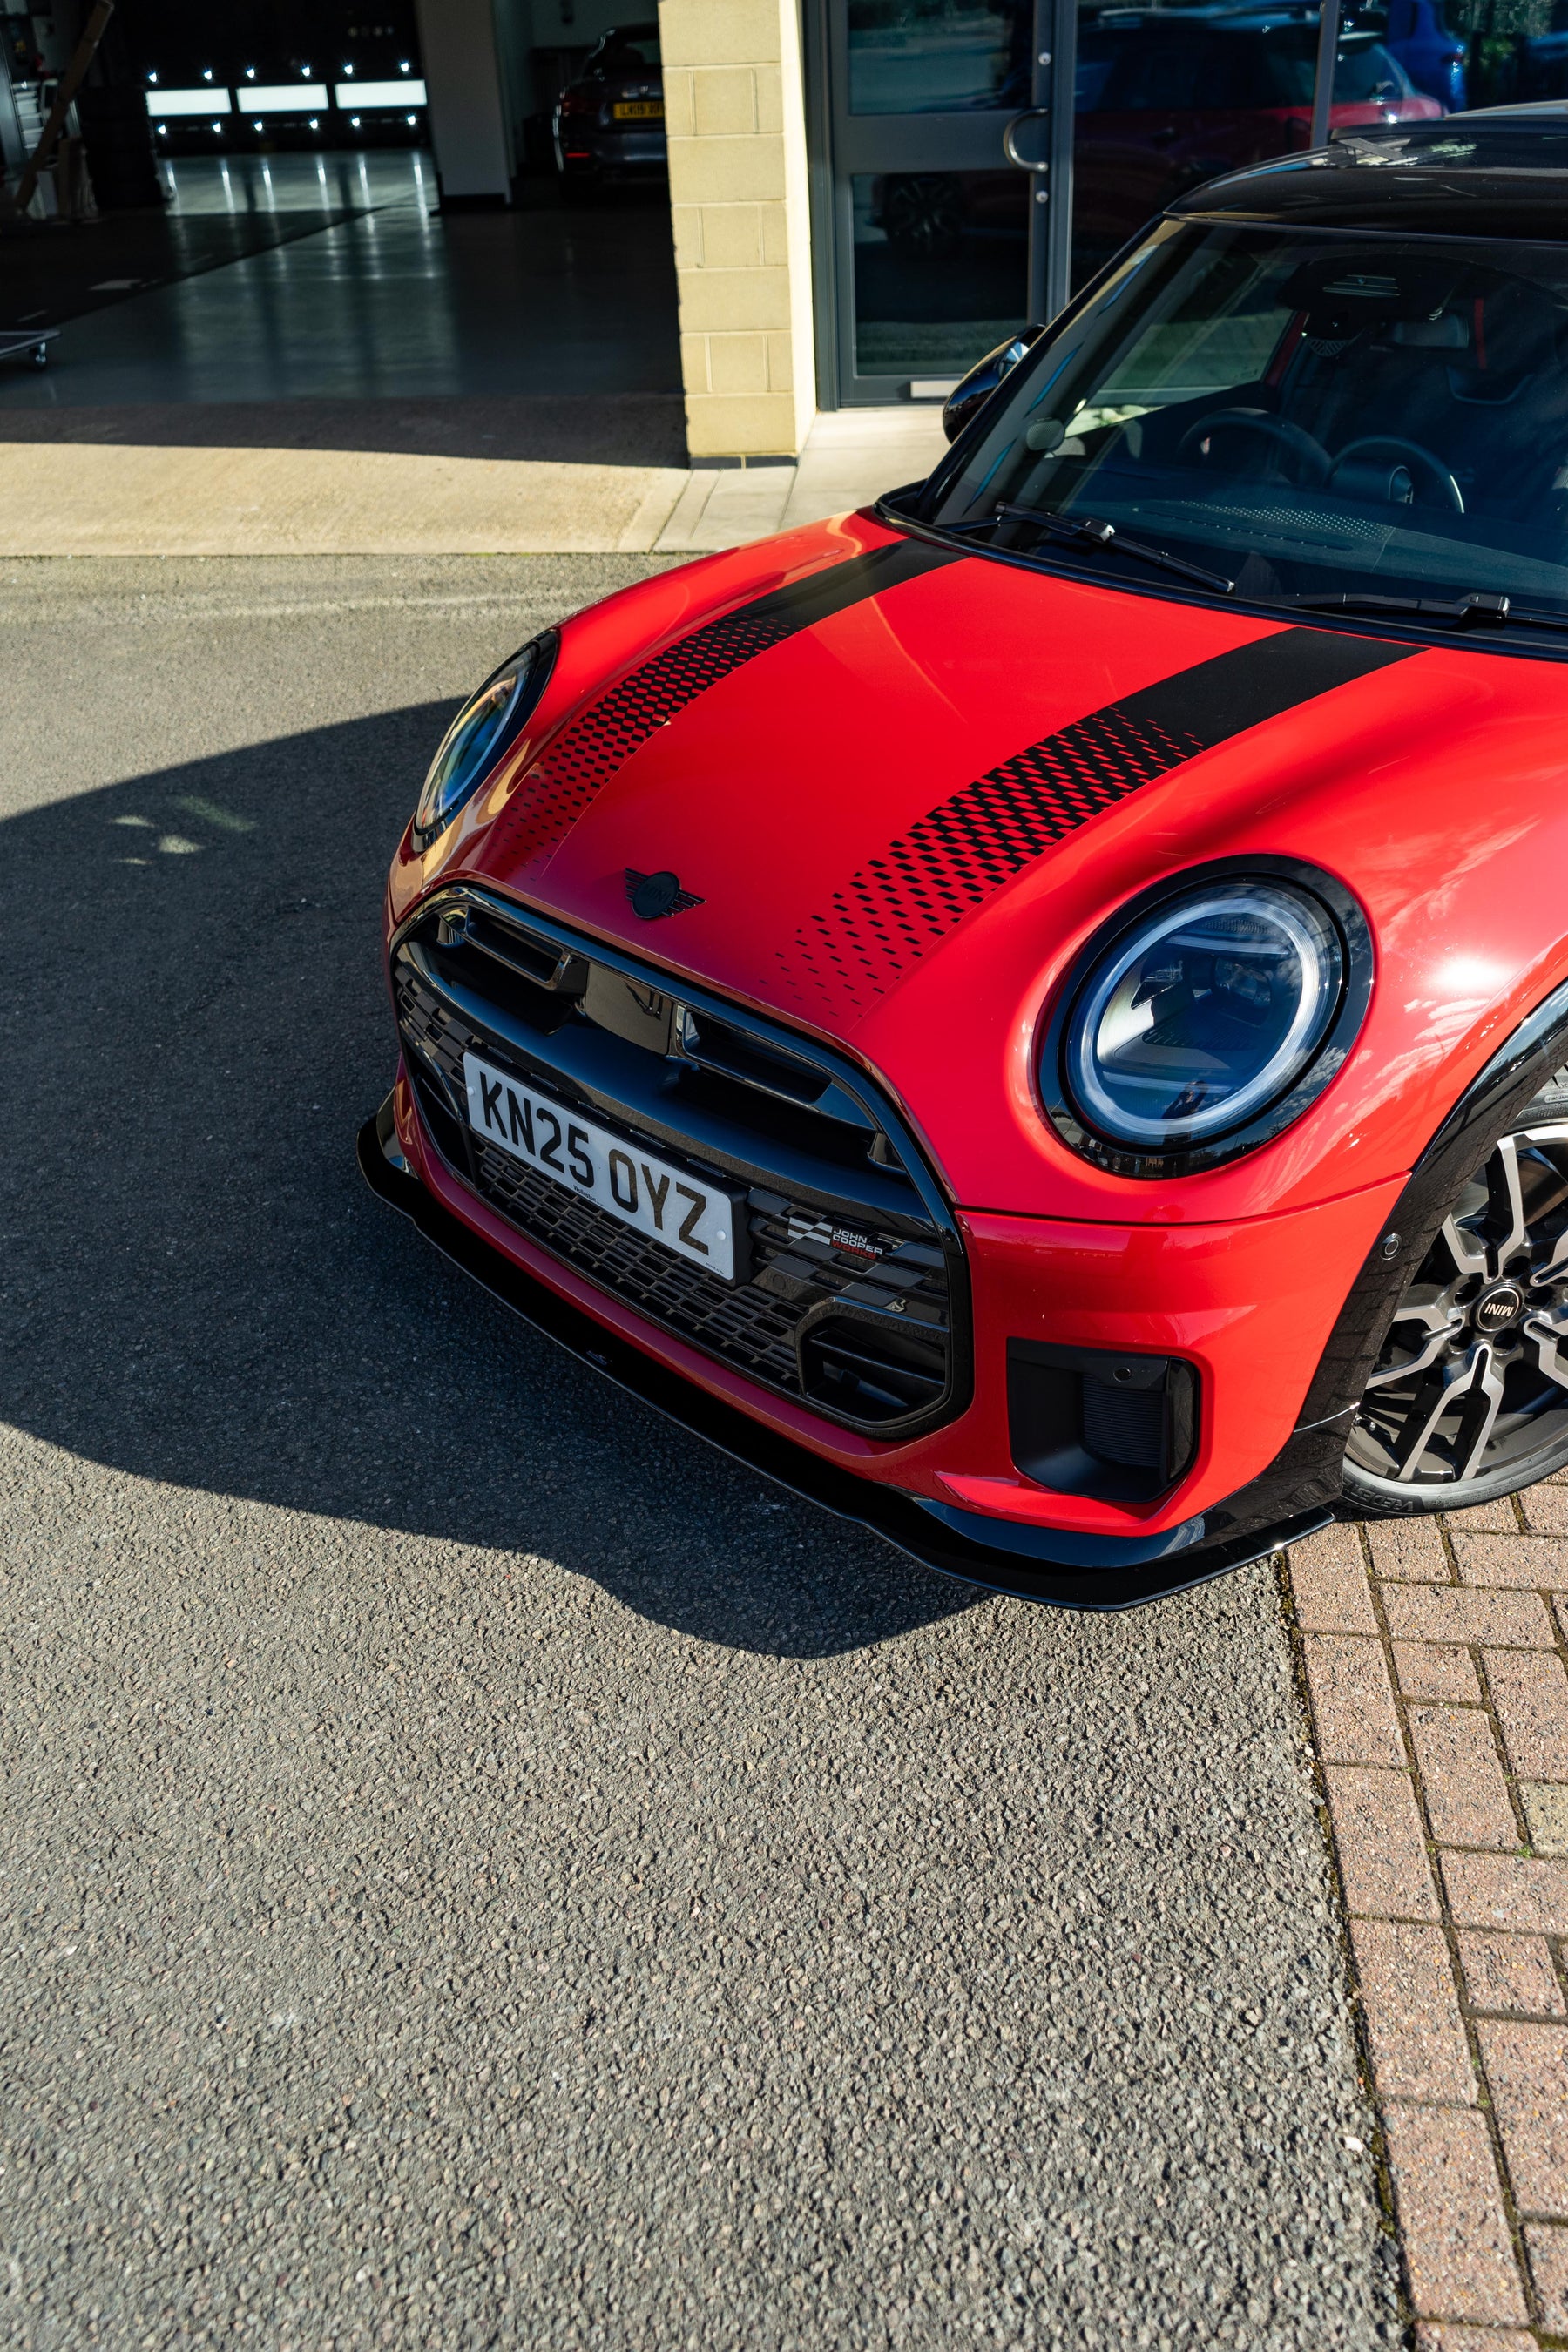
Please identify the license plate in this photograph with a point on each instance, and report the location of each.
(696, 1221)
(639, 110)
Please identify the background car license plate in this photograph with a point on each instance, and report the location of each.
(639, 110)
(696, 1220)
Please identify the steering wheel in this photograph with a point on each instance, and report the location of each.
(1376, 447)
(1311, 457)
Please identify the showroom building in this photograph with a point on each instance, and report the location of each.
(867, 195)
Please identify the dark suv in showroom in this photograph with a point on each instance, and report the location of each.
(609, 123)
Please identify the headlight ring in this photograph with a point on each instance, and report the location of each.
(487, 723)
(1206, 1016)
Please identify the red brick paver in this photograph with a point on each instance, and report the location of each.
(1419, 2045)
(1352, 1701)
(1515, 1620)
(1546, 1509)
(1530, 1897)
(1548, 2249)
(1432, 1670)
(1410, 1548)
(1467, 1796)
(1436, 1657)
(1511, 1974)
(1383, 1857)
(1328, 1577)
(1451, 2216)
(1530, 1692)
(1497, 1559)
(1527, 2068)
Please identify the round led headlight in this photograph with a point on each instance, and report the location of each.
(1209, 1019)
(480, 732)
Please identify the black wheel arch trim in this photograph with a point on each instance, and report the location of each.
(1073, 1571)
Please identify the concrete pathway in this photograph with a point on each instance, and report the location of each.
(164, 481)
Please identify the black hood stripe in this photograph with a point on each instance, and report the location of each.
(901, 905)
(586, 754)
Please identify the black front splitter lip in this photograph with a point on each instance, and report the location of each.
(1049, 1565)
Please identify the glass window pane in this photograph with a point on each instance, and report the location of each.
(939, 261)
(1165, 100)
(937, 57)
(1302, 413)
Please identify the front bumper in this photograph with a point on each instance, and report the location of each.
(1072, 1569)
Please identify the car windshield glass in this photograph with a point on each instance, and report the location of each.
(1304, 412)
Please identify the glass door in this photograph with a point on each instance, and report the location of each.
(930, 224)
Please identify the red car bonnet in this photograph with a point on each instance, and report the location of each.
(845, 800)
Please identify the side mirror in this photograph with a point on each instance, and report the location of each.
(983, 379)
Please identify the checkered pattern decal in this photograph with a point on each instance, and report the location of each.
(586, 754)
(900, 906)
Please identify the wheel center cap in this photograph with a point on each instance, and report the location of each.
(1498, 1307)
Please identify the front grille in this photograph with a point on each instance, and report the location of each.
(853, 1297)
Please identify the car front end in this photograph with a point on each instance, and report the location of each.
(988, 1028)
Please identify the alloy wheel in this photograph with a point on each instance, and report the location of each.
(1472, 1384)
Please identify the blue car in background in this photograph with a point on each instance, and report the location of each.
(1416, 33)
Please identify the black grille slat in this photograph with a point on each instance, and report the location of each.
(802, 1255)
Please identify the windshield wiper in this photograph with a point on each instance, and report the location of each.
(1087, 530)
(1477, 609)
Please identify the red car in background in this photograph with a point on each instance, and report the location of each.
(1037, 1015)
(1165, 99)
(1170, 99)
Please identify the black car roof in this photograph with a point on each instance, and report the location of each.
(1498, 171)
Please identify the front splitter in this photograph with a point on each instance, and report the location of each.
(1057, 1567)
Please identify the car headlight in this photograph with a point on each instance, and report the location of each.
(1214, 1013)
(478, 735)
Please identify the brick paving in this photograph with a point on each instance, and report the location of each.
(1436, 1661)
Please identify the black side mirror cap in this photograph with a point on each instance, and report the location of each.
(977, 386)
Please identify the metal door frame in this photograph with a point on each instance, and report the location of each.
(1043, 289)
(1049, 271)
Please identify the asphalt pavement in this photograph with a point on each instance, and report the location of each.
(479, 1867)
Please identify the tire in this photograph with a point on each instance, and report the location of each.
(1469, 1399)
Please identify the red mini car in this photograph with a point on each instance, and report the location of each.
(1032, 1014)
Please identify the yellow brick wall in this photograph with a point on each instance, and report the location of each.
(735, 114)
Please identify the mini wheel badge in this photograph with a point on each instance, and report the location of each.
(653, 894)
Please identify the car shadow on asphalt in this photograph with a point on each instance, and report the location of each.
(199, 1287)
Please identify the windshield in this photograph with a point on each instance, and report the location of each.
(1302, 412)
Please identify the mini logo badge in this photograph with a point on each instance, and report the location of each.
(653, 894)
(1498, 1307)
